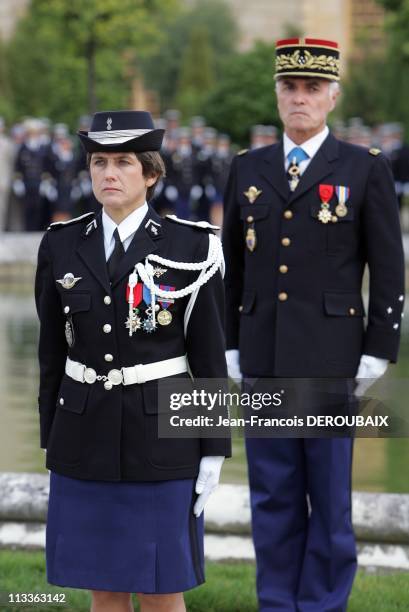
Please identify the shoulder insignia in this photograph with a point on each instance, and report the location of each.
(59, 224)
(242, 152)
(374, 151)
(198, 224)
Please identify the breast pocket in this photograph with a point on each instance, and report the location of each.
(73, 303)
(334, 236)
(341, 234)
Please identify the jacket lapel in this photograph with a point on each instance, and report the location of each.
(273, 170)
(147, 239)
(92, 251)
(320, 167)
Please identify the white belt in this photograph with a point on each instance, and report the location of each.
(140, 373)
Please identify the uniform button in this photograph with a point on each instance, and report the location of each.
(108, 385)
(286, 242)
(108, 357)
(283, 269)
(282, 296)
(288, 214)
(107, 328)
(62, 401)
(66, 309)
(107, 300)
(250, 219)
(352, 311)
(240, 308)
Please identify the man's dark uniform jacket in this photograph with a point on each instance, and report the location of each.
(294, 305)
(99, 434)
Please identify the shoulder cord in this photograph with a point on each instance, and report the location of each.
(208, 268)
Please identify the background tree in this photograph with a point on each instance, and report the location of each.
(244, 94)
(196, 73)
(80, 53)
(163, 69)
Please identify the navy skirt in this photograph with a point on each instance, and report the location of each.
(132, 537)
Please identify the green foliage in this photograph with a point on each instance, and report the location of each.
(377, 87)
(81, 54)
(196, 73)
(163, 69)
(245, 94)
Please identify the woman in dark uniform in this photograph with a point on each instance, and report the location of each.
(125, 299)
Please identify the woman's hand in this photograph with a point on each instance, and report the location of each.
(207, 481)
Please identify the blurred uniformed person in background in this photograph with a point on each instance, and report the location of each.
(120, 308)
(302, 218)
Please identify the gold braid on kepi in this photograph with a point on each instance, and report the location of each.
(307, 57)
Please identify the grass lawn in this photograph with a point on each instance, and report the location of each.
(229, 588)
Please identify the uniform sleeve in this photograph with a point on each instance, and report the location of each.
(384, 250)
(233, 248)
(206, 343)
(52, 349)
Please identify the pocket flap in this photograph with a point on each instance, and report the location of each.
(344, 304)
(76, 302)
(248, 299)
(72, 395)
(257, 211)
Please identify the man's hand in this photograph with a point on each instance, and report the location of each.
(207, 481)
(233, 367)
(369, 370)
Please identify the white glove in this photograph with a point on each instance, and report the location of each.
(233, 367)
(369, 370)
(19, 188)
(207, 481)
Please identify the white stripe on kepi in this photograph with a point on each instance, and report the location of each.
(116, 136)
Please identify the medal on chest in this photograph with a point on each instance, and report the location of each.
(69, 332)
(343, 193)
(325, 192)
(138, 293)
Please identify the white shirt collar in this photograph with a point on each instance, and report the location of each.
(310, 146)
(127, 227)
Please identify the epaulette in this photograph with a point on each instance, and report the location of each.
(198, 224)
(242, 152)
(374, 151)
(58, 224)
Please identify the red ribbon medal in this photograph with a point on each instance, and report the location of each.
(326, 192)
(137, 294)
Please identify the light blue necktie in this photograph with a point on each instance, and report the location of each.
(295, 157)
(298, 154)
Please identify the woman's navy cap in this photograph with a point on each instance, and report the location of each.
(122, 131)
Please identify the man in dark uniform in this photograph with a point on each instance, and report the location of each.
(302, 218)
(121, 307)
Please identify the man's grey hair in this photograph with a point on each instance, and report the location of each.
(333, 89)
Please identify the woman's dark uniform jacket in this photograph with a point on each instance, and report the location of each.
(101, 434)
(302, 315)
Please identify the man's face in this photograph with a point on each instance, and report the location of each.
(118, 182)
(303, 105)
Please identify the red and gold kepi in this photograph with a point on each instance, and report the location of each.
(307, 57)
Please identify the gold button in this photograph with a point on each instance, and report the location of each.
(240, 308)
(107, 328)
(282, 296)
(250, 219)
(352, 311)
(283, 269)
(107, 300)
(288, 214)
(286, 242)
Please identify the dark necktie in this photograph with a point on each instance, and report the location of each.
(115, 256)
